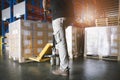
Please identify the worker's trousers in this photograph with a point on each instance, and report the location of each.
(59, 33)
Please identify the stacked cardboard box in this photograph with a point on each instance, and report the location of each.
(27, 39)
(114, 41)
(41, 36)
(20, 40)
(74, 38)
(50, 33)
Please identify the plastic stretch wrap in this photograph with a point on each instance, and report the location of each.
(102, 41)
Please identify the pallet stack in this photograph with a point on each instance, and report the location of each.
(74, 37)
(102, 42)
(115, 41)
(108, 13)
(110, 21)
(20, 40)
(42, 34)
(50, 33)
(39, 37)
(27, 39)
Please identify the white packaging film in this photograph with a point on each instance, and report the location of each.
(102, 41)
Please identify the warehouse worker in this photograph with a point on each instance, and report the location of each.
(60, 13)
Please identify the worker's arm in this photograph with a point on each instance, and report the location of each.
(45, 5)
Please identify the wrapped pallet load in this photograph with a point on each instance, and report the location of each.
(27, 39)
(102, 41)
(75, 42)
(20, 40)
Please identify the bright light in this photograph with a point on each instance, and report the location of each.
(88, 16)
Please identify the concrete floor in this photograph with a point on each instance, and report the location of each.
(80, 69)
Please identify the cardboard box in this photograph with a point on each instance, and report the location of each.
(20, 38)
(39, 34)
(39, 43)
(73, 41)
(39, 26)
(26, 37)
(50, 28)
(49, 38)
(27, 34)
(50, 34)
(38, 46)
(50, 41)
(36, 41)
(26, 24)
(27, 43)
(37, 51)
(27, 52)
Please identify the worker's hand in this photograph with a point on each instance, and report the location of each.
(44, 9)
(47, 12)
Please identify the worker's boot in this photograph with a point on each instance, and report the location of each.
(61, 72)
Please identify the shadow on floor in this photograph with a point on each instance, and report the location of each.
(80, 69)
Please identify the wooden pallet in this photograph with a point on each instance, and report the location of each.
(112, 58)
(47, 50)
(21, 60)
(110, 21)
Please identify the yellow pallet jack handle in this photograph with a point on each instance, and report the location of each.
(46, 50)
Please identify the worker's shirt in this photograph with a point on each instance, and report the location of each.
(60, 8)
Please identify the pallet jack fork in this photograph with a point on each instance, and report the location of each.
(47, 50)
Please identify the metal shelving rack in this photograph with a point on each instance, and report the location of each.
(4, 4)
(35, 14)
